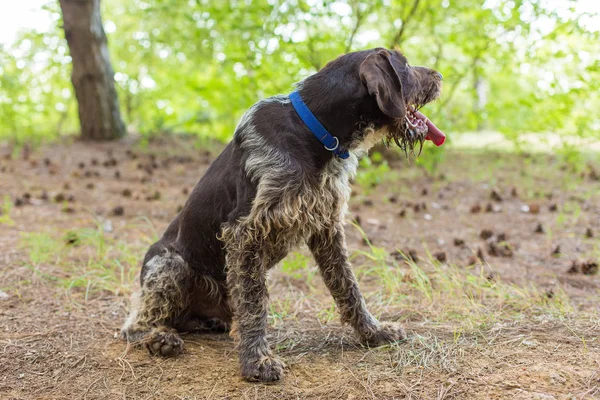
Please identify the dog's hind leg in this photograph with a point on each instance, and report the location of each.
(329, 249)
(167, 283)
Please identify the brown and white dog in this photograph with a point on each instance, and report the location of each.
(275, 187)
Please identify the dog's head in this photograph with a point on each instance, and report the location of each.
(399, 90)
(375, 94)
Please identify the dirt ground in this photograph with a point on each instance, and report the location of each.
(500, 299)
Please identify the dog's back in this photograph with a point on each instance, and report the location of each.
(225, 193)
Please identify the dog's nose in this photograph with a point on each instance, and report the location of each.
(441, 76)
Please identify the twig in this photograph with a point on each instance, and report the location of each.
(462, 76)
(359, 18)
(89, 387)
(212, 391)
(313, 61)
(124, 362)
(398, 37)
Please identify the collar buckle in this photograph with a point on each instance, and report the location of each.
(337, 144)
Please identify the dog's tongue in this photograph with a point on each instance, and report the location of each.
(434, 134)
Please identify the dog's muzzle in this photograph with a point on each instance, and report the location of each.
(418, 123)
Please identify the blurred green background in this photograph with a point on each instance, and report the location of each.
(194, 66)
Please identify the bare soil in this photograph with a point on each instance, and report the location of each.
(520, 231)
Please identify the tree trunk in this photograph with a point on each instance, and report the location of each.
(92, 76)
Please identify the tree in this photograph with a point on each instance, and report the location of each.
(92, 75)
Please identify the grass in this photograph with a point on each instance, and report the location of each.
(42, 249)
(85, 260)
(7, 206)
(426, 351)
(469, 297)
(468, 301)
(372, 172)
(283, 307)
(568, 215)
(298, 266)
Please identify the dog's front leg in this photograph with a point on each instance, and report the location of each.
(246, 278)
(329, 249)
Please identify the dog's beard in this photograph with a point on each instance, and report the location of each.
(407, 132)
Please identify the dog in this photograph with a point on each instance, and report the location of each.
(282, 181)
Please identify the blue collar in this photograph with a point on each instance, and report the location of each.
(330, 142)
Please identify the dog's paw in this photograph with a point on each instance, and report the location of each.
(386, 333)
(266, 369)
(164, 343)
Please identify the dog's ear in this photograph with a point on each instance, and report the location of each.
(383, 82)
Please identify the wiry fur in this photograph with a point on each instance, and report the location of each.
(165, 290)
(273, 188)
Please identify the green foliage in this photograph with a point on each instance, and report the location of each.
(373, 170)
(571, 155)
(89, 260)
(297, 265)
(431, 159)
(5, 212)
(195, 66)
(41, 246)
